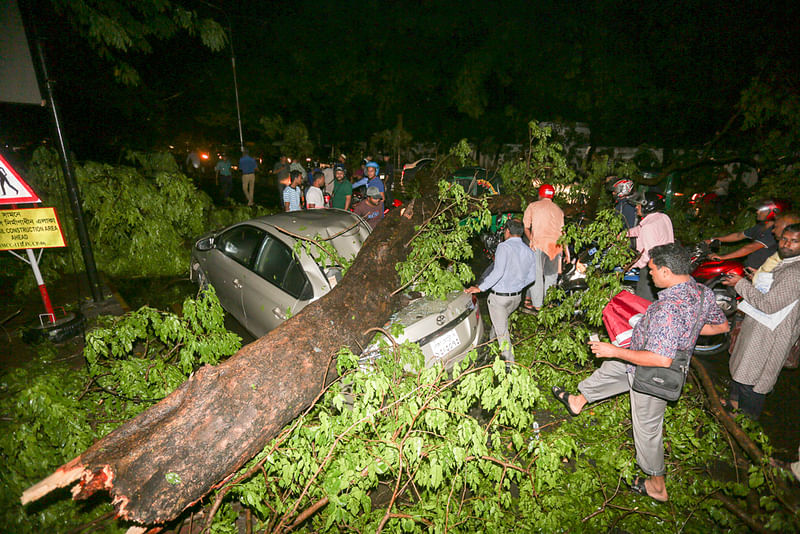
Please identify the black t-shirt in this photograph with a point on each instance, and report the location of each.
(761, 234)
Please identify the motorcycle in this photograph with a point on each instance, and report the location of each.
(704, 269)
(711, 273)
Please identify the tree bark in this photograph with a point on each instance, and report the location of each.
(170, 456)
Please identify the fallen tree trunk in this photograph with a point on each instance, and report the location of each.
(170, 456)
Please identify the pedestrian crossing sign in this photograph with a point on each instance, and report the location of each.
(13, 189)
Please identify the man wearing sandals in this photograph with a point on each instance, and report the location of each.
(667, 327)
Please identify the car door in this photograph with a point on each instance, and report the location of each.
(278, 289)
(229, 265)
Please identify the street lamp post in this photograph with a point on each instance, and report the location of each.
(233, 68)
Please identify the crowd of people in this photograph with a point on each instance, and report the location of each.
(366, 191)
(329, 187)
(681, 310)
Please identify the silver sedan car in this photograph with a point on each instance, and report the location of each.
(262, 277)
(259, 276)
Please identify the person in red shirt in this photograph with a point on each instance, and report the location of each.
(543, 221)
(371, 208)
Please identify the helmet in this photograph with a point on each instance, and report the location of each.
(622, 188)
(547, 191)
(650, 201)
(771, 208)
(339, 167)
(375, 165)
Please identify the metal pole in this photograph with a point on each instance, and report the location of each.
(69, 177)
(236, 87)
(233, 67)
(48, 306)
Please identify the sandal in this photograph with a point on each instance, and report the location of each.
(726, 405)
(638, 486)
(563, 397)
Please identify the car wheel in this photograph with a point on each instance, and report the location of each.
(712, 345)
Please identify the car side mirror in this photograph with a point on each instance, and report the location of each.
(205, 244)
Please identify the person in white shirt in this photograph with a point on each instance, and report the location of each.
(314, 197)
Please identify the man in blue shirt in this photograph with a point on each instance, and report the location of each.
(374, 180)
(248, 167)
(514, 269)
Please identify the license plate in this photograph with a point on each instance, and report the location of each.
(445, 343)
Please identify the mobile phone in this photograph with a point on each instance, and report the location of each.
(594, 337)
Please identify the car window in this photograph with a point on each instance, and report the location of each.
(241, 243)
(276, 264)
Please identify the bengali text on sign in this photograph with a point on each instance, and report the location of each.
(30, 228)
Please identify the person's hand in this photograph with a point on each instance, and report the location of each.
(708, 241)
(730, 279)
(716, 257)
(749, 272)
(602, 350)
(472, 290)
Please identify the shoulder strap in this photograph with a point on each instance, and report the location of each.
(698, 325)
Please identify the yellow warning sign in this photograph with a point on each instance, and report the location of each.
(30, 228)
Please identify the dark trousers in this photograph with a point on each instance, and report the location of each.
(644, 286)
(750, 402)
(225, 185)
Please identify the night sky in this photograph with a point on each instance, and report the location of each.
(662, 73)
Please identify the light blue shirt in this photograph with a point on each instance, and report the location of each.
(514, 267)
(292, 196)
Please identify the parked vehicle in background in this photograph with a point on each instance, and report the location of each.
(410, 170)
(262, 278)
(476, 181)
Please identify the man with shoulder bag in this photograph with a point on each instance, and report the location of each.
(653, 370)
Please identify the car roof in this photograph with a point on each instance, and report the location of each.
(325, 223)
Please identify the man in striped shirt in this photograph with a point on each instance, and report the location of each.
(292, 193)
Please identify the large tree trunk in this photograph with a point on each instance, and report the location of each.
(173, 454)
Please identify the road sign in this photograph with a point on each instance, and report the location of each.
(30, 228)
(13, 189)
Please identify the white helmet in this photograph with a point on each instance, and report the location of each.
(622, 188)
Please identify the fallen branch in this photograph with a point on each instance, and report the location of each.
(745, 518)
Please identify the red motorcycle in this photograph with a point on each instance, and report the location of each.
(712, 273)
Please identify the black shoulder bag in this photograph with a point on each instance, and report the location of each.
(667, 382)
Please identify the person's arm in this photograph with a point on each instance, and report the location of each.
(527, 224)
(785, 289)
(500, 261)
(636, 357)
(286, 201)
(714, 329)
(347, 200)
(740, 252)
(730, 238)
